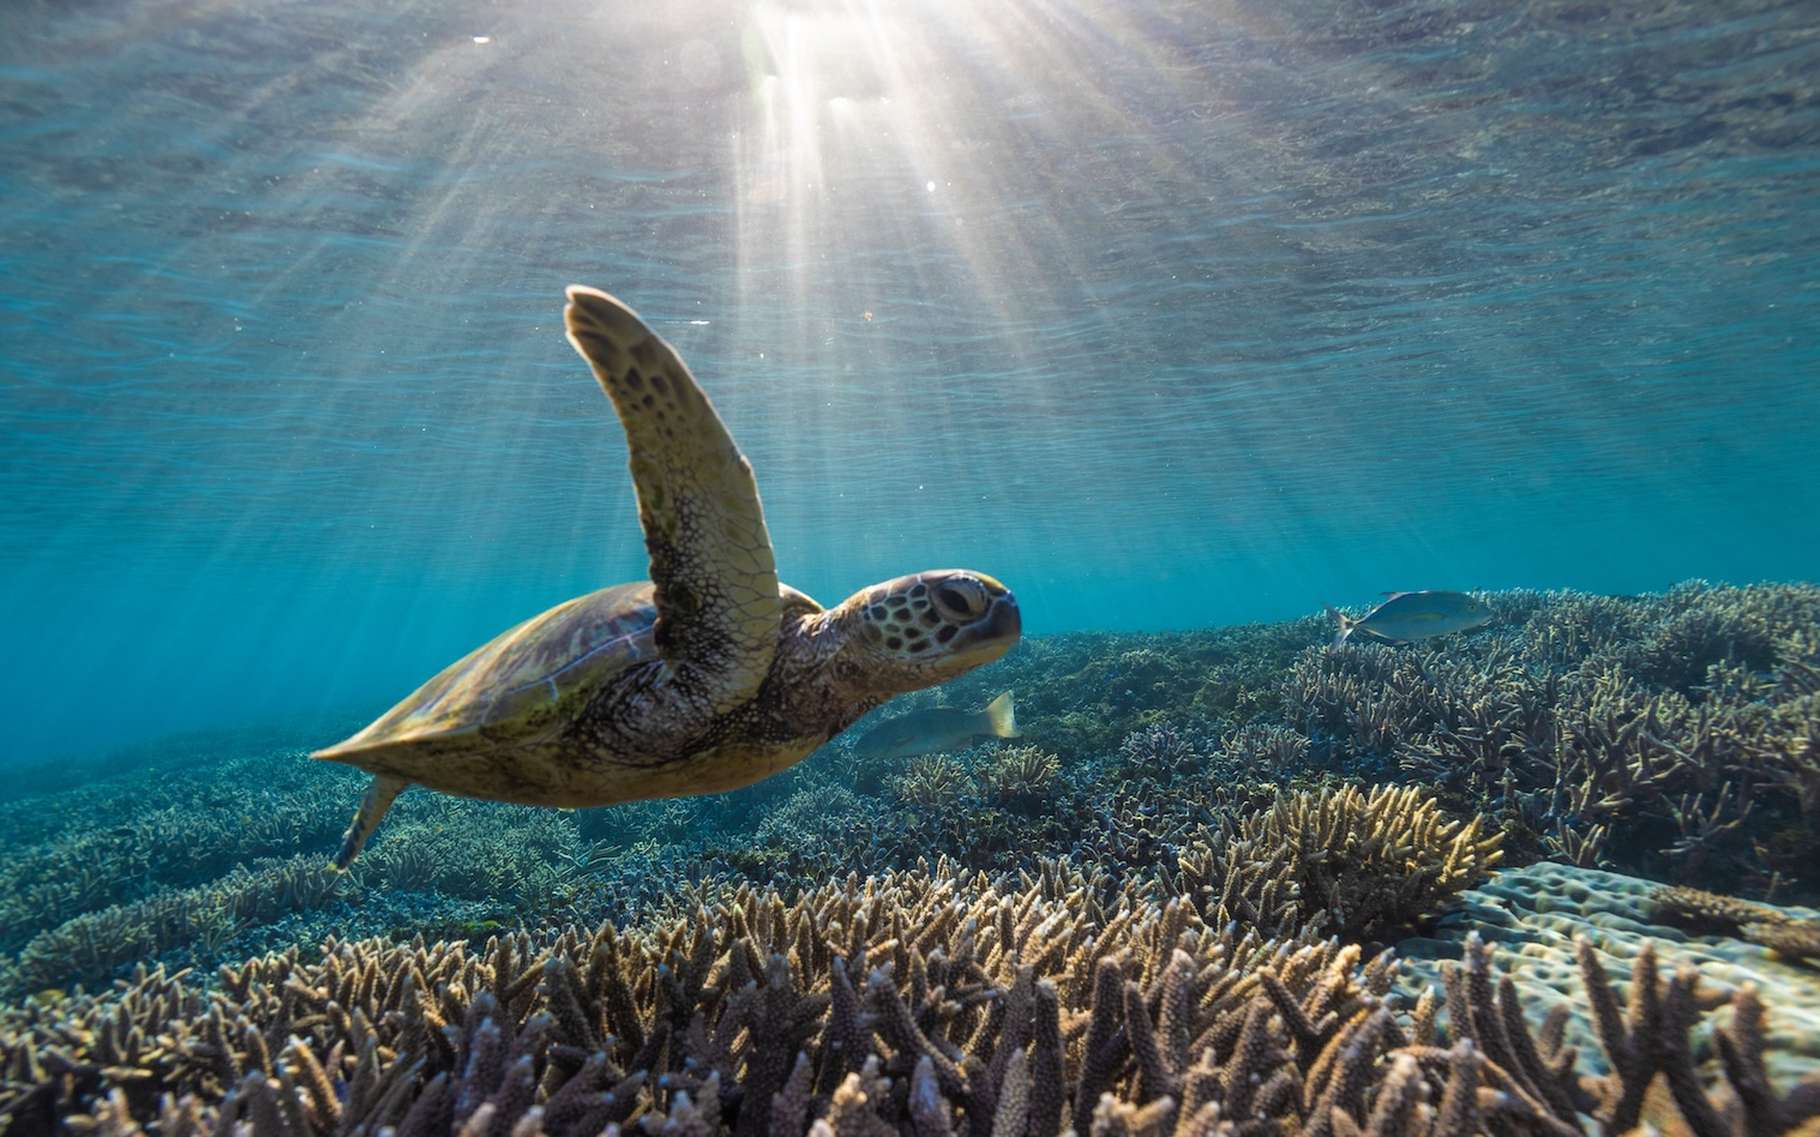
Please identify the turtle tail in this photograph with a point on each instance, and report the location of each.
(378, 799)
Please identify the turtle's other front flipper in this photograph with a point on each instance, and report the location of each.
(717, 593)
(378, 799)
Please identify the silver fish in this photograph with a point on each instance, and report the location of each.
(936, 729)
(1409, 616)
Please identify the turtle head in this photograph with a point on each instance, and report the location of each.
(926, 628)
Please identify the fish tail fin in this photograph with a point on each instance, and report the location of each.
(378, 799)
(1344, 625)
(1001, 716)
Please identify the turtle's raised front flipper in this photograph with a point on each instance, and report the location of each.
(366, 819)
(717, 595)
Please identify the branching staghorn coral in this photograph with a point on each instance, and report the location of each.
(1264, 750)
(1020, 778)
(480, 850)
(933, 781)
(1159, 752)
(1701, 911)
(1366, 865)
(520, 859)
(92, 946)
(1786, 756)
(1653, 1075)
(1666, 734)
(1090, 691)
(1553, 726)
(156, 833)
(916, 1003)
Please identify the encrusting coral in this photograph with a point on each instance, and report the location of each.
(1534, 914)
(923, 1003)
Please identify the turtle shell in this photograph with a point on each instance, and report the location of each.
(525, 676)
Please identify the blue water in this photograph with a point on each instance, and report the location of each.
(1168, 314)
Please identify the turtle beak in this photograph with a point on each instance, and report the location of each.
(1004, 622)
(996, 632)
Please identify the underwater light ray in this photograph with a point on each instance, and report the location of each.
(237, 536)
(1036, 249)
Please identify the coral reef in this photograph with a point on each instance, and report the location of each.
(1231, 796)
(933, 782)
(184, 883)
(1560, 725)
(1367, 866)
(1088, 691)
(1022, 779)
(1159, 752)
(1764, 924)
(207, 917)
(1672, 735)
(115, 844)
(1534, 914)
(930, 1002)
(1265, 748)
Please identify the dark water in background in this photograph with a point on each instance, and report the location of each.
(1167, 314)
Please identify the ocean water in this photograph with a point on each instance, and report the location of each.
(1184, 319)
(1167, 314)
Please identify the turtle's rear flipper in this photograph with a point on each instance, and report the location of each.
(366, 819)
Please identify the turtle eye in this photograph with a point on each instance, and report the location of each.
(962, 602)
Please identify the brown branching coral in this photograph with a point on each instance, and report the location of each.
(1794, 939)
(1787, 755)
(1649, 1039)
(914, 1004)
(1704, 626)
(1368, 865)
(1702, 911)
(1159, 752)
(1167, 982)
(508, 857)
(137, 836)
(1264, 750)
(1652, 1074)
(918, 995)
(932, 782)
(1666, 734)
(92, 945)
(1020, 778)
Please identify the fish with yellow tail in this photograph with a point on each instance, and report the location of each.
(935, 729)
(1406, 617)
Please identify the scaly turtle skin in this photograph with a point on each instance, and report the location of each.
(709, 676)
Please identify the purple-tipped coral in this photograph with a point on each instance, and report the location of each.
(910, 1004)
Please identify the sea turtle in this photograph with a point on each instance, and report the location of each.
(709, 676)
